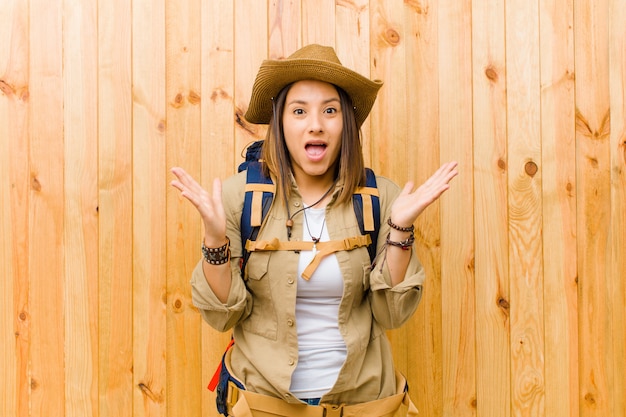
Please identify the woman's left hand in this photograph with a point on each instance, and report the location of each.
(411, 203)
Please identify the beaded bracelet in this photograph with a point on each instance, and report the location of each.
(403, 244)
(400, 228)
(217, 256)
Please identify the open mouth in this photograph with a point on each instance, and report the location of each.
(315, 149)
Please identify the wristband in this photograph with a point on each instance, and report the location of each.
(400, 228)
(217, 256)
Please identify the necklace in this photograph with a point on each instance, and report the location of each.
(289, 222)
(313, 238)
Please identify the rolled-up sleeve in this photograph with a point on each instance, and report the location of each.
(221, 316)
(393, 306)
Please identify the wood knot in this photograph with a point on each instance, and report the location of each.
(392, 36)
(194, 98)
(23, 316)
(35, 184)
(241, 121)
(502, 164)
(590, 399)
(178, 101)
(503, 303)
(531, 168)
(34, 384)
(219, 93)
(178, 305)
(148, 393)
(161, 126)
(6, 88)
(491, 74)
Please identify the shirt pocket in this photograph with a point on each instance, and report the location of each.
(262, 320)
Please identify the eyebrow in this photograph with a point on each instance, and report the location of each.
(330, 100)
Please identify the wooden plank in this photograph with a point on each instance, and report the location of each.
(115, 324)
(525, 208)
(218, 133)
(149, 210)
(14, 219)
(80, 61)
(594, 204)
(424, 330)
(389, 116)
(617, 264)
(284, 36)
(388, 53)
(318, 22)
(183, 234)
(493, 395)
(46, 211)
(352, 45)
(457, 251)
(559, 208)
(250, 50)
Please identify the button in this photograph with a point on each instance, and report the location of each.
(291, 362)
(289, 322)
(296, 204)
(290, 281)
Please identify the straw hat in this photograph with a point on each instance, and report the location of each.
(312, 62)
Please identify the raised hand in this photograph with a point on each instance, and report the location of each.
(209, 206)
(411, 203)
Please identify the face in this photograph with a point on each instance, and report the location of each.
(312, 125)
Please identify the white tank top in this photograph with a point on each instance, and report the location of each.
(322, 350)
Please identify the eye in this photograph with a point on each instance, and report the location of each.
(330, 110)
(298, 111)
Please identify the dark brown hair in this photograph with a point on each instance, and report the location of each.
(351, 167)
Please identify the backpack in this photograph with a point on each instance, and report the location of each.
(259, 194)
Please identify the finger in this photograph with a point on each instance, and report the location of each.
(408, 188)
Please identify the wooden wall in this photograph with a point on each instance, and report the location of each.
(524, 307)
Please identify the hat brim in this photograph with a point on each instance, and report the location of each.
(274, 75)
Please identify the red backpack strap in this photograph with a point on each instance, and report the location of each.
(216, 376)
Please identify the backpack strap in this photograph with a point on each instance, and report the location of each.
(366, 204)
(259, 194)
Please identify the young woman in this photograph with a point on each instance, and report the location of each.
(308, 323)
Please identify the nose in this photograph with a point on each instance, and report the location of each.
(315, 123)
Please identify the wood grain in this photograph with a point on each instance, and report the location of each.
(594, 203)
(217, 137)
(424, 339)
(617, 262)
(457, 250)
(525, 210)
(47, 277)
(183, 54)
(14, 218)
(318, 22)
(251, 48)
(559, 208)
(80, 61)
(493, 299)
(115, 208)
(149, 209)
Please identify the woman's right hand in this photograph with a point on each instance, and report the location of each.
(209, 206)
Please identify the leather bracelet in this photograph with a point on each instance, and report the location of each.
(217, 256)
(403, 244)
(400, 228)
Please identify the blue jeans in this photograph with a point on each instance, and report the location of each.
(311, 401)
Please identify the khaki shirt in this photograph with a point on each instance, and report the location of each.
(261, 311)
